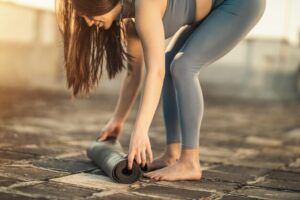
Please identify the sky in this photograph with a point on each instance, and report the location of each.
(280, 20)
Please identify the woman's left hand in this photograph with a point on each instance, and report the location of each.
(139, 145)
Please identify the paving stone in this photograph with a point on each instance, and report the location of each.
(269, 158)
(207, 152)
(264, 193)
(5, 181)
(59, 190)
(230, 173)
(32, 151)
(22, 126)
(263, 141)
(292, 142)
(84, 144)
(226, 155)
(28, 173)
(44, 123)
(243, 153)
(292, 137)
(284, 175)
(280, 184)
(237, 197)
(92, 181)
(201, 185)
(293, 166)
(234, 144)
(25, 138)
(171, 192)
(124, 196)
(256, 164)
(281, 180)
(38, 151)
(221, 177)
(274, 155)
(10, 196)
(293, 134)
(293, 149)
(12, 156)
(66, 165)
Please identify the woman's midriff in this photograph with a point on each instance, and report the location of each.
(203, 8)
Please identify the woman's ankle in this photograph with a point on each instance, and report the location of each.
(190, 155)
(173, 150)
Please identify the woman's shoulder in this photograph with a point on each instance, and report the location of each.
(141, 5)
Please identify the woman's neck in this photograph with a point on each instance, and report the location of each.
(128, 9)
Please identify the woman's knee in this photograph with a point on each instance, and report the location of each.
(176, 68)
(181, 67)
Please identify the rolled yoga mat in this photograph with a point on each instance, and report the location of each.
(108, 155)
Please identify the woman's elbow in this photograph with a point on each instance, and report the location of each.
(137, 78)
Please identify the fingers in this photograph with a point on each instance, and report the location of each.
(102, 137)
(143, 158)
(139, 153)
(149, 151)
(130, 160)
(139, 157)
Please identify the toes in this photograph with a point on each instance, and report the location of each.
(166, 178)
(151, 175)
(147, 174)
(156, 178)
(155, 174)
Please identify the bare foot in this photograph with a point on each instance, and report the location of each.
(177, 171)
(170, 156)
(161, 161)
(186, 168)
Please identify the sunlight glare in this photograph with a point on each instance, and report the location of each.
(44, 4)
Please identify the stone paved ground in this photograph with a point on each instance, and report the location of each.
(248, 150)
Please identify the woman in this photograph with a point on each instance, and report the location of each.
(96, 29)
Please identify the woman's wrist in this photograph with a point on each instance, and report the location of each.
(119, 120)
(140, 130)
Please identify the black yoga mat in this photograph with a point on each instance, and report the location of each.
(108, 155)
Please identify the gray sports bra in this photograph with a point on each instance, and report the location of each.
(177, 14)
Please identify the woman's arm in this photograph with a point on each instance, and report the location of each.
(150, 30)
(134, 77)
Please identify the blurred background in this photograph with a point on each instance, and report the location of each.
(265, 65)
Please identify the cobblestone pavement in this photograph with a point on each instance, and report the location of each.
(248, 150)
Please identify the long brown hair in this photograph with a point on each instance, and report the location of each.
(86, 47)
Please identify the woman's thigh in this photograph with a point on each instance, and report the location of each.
(175, 44)
(227, 24)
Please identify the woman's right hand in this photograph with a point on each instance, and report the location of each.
(112, 129)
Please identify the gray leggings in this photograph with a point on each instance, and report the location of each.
(196, 46)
